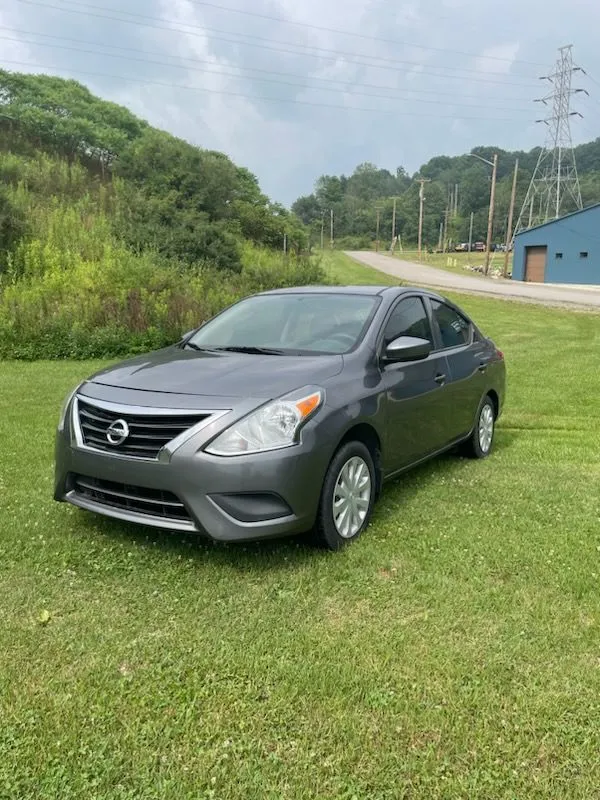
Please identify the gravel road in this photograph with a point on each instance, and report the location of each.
(583, 297)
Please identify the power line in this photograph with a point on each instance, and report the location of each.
(594, 135)
(254, 69)
(311, 26)
(221, 72)
(256, 97)
(593, 80)
(203, 28)
(322, 53)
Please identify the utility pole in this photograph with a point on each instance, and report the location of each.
(445, 241)
(441, 239)
(422, 182)
(394, 224)
(378, 210)
(285, 243)
(488, 249)
(471, 232)
(456, 200)
(511, 212)
(331, 230)
(323, 229)
(494, 165)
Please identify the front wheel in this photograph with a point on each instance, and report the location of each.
(480, 443)
(347, 496)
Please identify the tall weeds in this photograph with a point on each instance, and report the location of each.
(70, 289)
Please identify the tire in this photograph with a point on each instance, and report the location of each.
(481, 441)
(335, 529)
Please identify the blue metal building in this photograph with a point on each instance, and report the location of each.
(564, 250)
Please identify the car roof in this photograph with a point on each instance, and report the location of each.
(357, 289)
(364, 290)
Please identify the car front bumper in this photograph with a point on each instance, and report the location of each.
(236, 498)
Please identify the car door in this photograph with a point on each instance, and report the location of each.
(466, 360)
(415, 392)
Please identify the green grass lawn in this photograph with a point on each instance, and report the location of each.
(457, 262)
(453, 652)
(343, 270)
(451, 262)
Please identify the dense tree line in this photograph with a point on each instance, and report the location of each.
(357, 200)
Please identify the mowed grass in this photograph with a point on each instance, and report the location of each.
(339, 267)
(457, 262)
(453, 652)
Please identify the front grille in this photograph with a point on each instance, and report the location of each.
(136, 499)
(148, 433)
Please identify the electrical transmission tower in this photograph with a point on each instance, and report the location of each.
(554, 188)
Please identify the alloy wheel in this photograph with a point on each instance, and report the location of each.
(351, 497)
(486, 428)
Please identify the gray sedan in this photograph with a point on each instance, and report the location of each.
(283, 414)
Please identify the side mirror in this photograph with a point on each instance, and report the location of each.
(407, 348)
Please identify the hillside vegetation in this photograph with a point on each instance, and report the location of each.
(116, 237)
(355, 199)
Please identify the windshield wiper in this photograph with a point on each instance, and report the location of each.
(258, 351)
(199, 349)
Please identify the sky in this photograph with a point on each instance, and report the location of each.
(295, 89)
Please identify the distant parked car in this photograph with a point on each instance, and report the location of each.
(479, 247)
(284, 413)
(463, 247)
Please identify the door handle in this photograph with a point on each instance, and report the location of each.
(483, 365)
(440, 379)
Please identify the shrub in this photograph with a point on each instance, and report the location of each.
(75, 284)
(354, 243)
(54, 307)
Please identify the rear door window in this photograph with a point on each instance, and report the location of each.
(455, 330)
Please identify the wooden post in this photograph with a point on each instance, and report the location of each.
(488, 249)
(471, 232)
(331, 230)
(422, 182)
(510, 220)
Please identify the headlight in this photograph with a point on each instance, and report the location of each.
(271, 427)
(65, 407)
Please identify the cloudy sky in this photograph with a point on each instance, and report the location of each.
(293, 89)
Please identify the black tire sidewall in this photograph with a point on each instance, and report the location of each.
(325, 526)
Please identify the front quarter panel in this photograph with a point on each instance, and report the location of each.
(357, 396)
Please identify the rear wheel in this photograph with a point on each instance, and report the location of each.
(347, 496)
(480, 443)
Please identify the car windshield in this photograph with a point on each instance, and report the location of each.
(299, 324)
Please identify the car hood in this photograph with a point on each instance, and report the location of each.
(178, 371)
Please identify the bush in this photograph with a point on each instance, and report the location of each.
(87, 271)
(354, 243)
(122, 303)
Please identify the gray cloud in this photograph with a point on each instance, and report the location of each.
(468, 86)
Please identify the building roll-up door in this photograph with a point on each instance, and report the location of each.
(535, 263)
